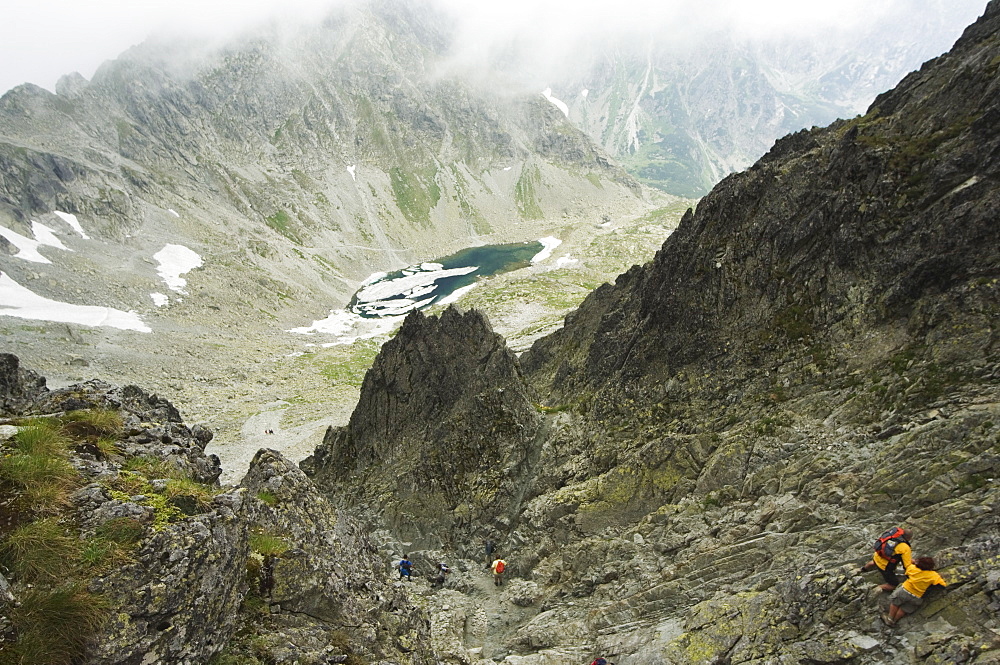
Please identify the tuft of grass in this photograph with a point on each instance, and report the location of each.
(267, 544)
(121, 531)
(129, 483)
(43, 483)
(42, 438)
(40, 551)
(107, 446)
(93, 423)
(54, 627)
(188, 494)
(270, 498)
(153, 467)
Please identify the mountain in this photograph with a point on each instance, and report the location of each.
(283, 143)
(681, 110)
(289, 166)
(692, 469)
(809, 359)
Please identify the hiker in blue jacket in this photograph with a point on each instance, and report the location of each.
(405, 565)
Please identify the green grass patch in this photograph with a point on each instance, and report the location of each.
(40, 552)
(270, 498)
(267, 544)
(152, 467)
(54, 627)
(415, 196)
(92, 424)
(190, 496)
(526, 195)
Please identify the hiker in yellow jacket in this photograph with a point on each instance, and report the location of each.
(920, 576)
(891, 548)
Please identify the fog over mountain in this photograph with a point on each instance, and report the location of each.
(282, 309)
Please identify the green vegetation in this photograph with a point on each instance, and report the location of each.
(40, 545)
(37, 470)
(281, 222)
(525, 194)
(54, 626)
(769, 425)
(267, 497)
(267, 544)
(416, 196)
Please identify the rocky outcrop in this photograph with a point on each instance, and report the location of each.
(444, 433)
(879, 228)
(810, 358)
(329, 590)
(267, 567)
(18, 386)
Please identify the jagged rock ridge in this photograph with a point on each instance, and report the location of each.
(445, 410)
(267, 569)
(811, 357)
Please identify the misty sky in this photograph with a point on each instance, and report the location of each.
(40, 40)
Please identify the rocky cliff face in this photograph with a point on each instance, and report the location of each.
(169, 568)
(810, 358)
(446, 422)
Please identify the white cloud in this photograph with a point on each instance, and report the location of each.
(40, 40)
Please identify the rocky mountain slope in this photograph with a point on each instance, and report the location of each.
(809, 359)
(122, 547)
(691, 470)
(294, 165)
(683, 110)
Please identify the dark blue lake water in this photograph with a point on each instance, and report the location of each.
(423, 285)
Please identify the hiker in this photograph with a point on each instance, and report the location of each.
(405, 566)
(442, 571)
(891, 548)
(600, 661)
(491, 547)
(920, 576)
(498, 567)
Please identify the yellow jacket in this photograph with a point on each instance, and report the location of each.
(903, 550)
(918, 581)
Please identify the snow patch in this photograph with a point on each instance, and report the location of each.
(46, 236)
(27, 248)
(173, 212)
(175, 260)
(455, 295)
(559, 104)
(19, 302)
(349, 327)
(548, 244)
(566, 260)
(159, 299)
(71, 219)
(350, 169)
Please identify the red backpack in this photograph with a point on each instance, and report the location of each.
(886, 544)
